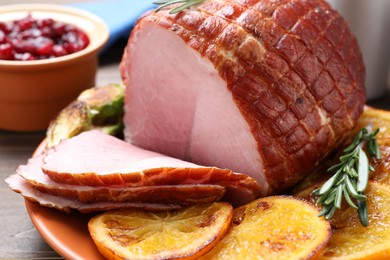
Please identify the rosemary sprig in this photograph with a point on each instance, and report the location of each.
(351, 176)
(186, 4)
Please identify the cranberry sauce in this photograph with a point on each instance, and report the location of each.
(32, 39)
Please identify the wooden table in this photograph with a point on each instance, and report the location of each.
(18, 237)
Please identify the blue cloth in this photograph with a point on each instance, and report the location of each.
(119, 15)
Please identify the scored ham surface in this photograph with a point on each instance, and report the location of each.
(164, 194)
(99, 160)
(266, 88)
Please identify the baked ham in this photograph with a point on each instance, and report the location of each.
(99, 160)
(164, 194)
(95, 171)
(20, 185)
(261, 87)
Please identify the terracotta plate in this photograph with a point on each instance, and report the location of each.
(66, 233)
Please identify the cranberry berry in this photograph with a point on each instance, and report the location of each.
(31, 39)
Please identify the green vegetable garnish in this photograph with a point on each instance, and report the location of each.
(186, 4)
(95, 108)
(351, 176)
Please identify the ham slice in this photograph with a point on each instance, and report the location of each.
(179, 194)
(262, 87)
(96, 159)
(20, 185)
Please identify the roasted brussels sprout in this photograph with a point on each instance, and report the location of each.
(96, 108)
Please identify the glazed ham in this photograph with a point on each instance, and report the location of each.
(164, 194)
(261, 87)
(100, 160)
(95, 171)
(20, 185)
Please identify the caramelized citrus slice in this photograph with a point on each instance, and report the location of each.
(275, 227)
(184, 234)
(378, 118)
(382, 170)
(350, 240)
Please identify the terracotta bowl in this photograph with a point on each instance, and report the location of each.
(33, 92)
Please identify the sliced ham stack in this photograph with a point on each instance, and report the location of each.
(266, 88)
(29, 192)
(94, 171)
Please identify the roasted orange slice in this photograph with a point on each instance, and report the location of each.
(276, 227)
(378, 118)
(350, 240)
(184, 234)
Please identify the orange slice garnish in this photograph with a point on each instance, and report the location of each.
(137, 234)
(277, 227)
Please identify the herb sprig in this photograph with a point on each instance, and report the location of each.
(186, 4)
(351, 176)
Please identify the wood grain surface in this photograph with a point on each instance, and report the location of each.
(18, 237)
